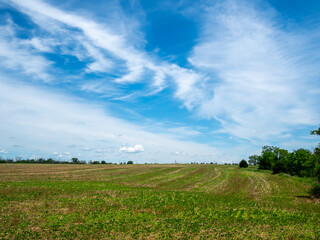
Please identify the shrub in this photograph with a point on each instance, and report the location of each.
(279, 167)
(243, 164)
(315, 191)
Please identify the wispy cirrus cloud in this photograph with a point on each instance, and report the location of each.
(110, 50)
(251, 77)
(20, 56)
(259, 75)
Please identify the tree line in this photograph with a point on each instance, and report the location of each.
(54, 161)
(43, 161)
(301, 162)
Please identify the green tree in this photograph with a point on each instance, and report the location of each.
(316, 153)
(253, 160)
(243, 164)
(280, 161)
(315, 132)
(315, 190)
(301, 163)
(130, 162)
(267, 158)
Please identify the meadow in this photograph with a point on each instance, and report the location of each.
(69, 201)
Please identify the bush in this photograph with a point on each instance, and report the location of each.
(130, 162)
(315, 191)
(279, 167)
(318, 174)
(243, 164)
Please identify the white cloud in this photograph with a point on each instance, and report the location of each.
(110, 48)
(101, 64)
(3, 151)
(184, 131)
(259, 76)
(101, 150)
(247, 74)
(16, 55)
(39, 44)
(93, 36)
(51, 121)
(137, 148)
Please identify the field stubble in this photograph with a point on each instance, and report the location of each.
(153, 202)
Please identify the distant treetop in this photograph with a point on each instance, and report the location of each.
(315, 132)
(243, 164)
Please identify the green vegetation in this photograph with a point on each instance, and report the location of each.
(51, 161)
(43, 161)
(72, 201)
(315, 191)
(301, 162)
(243, 164)
(315, 132)
(253, 160)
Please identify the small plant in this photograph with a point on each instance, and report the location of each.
(243, 164)
(196, 201)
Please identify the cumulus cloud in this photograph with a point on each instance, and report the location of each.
(137, 148)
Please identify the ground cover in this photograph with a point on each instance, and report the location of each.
(154, 202)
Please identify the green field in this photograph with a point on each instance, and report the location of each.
(153, 202)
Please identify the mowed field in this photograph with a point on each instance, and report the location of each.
(153, 202)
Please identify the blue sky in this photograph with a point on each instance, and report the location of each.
(158, 81)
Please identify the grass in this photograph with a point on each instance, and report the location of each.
(153, 202)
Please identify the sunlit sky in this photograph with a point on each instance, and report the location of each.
(158, 81)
